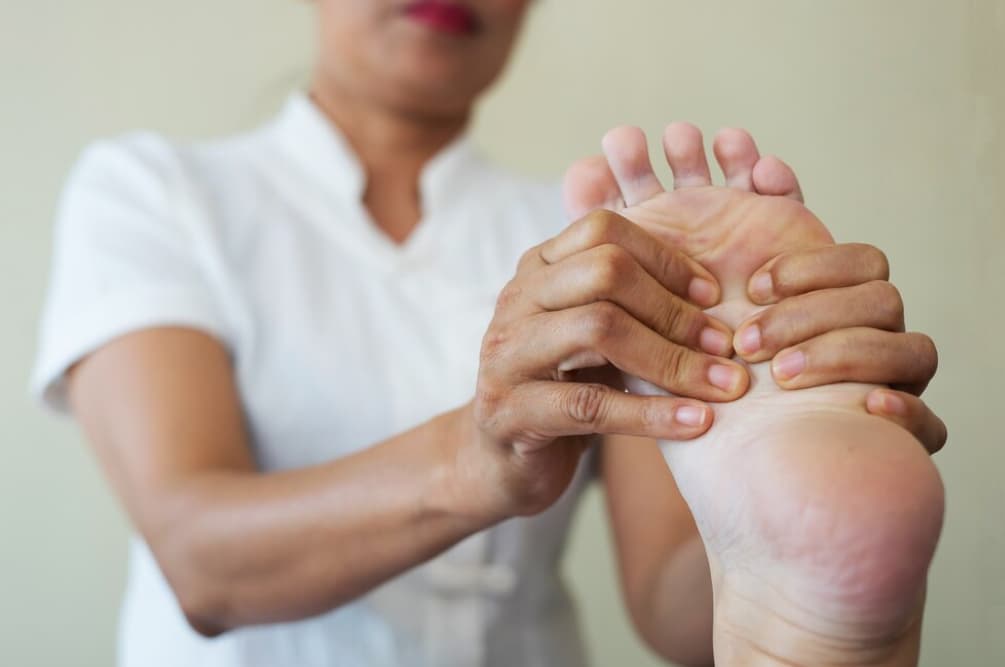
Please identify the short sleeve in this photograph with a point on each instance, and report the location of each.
(123, 259)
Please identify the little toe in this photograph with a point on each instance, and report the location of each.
(737, 154)
(628, 156)
(589, 184)
(771, 176)
(684, 147)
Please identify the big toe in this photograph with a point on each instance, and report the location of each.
(589, 184)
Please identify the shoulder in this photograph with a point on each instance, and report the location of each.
(148, 162)
(135, 160)
(148, 183)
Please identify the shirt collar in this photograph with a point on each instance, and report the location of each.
(312, 139)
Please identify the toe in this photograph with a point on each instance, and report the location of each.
(684, 147)
(628, 156)
(588, 185)
(773, 177)
(737, 154)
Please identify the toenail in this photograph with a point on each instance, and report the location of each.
(788, 365)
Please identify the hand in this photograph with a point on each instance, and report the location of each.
(836, 318)
(602, 295)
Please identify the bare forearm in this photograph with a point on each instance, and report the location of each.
(246, 548)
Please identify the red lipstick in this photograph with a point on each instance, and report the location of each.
(448, 17)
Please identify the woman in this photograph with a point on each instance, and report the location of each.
(272, 343)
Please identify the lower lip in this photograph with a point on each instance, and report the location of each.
(446, 18)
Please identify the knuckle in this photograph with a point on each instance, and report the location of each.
(890, 299)
(876, 262)
(614, 268)
(888, 293)
(494, 345)
(943, 434)
(585, 403)
(836, 355)
(927, 352)
(672, 263)
(677, 320)
(528, 256)
(675, 366)
(599, 227)
(509, 294)
(489, 399)
(792, 321)
(599, 322)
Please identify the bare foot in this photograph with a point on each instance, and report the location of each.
(819, 519)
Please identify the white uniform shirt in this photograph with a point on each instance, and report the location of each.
(340, 339)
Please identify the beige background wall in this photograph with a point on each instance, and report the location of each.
(893, 112)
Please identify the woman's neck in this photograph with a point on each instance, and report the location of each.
(392, 147)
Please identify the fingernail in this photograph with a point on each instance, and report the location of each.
(690, 415)
(788, 365)
(714, 341)
(761, 286)
(702, 292)
(725, 377)
(749, 339)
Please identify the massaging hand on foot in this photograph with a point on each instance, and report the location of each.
(608, 293)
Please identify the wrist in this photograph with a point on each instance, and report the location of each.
(466, 482)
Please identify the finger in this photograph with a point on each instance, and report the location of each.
(628, 156)
(875, 305)
(589, 184)
(736, 154)
(680, 274)
(905, 360)
(911, 413)
(548, 345)
(609, 273)
(774, 178)
(685, 152)
(547, 410)
(811, 269)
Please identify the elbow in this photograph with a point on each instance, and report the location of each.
(206, 608)
(202, 615)
(198, 587)
(219, 590)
